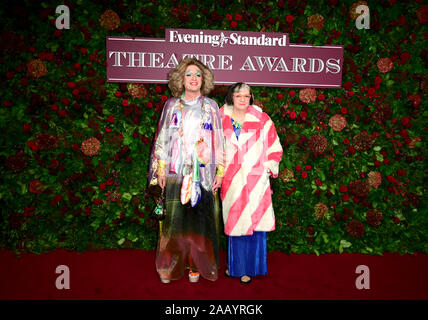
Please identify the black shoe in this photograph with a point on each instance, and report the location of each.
(245, 282)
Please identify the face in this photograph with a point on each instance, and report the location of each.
(192, 79)
(241, 99)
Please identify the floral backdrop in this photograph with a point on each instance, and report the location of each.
(75, 149)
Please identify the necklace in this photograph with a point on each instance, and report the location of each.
(236, 124)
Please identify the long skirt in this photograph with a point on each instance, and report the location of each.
(247, 255)
(188, 237)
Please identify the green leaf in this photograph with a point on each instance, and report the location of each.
(345, 243)
(127, 196)
(325, 237)
(127, 140)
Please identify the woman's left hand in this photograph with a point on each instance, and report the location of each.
(217, 183)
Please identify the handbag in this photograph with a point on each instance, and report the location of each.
(159, 212)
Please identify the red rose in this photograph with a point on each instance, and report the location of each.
(164, 98)
(118, 94)
(238, 17)
(348, 85)
(62, 113)
(65, 101)
(32, 145)
(292, 93)
(345, 197)
(405, 122)
(422, 14)
(58, 33)
(110, 119)
(71, 85)
(27, 127)
(351, 149)
(405, 56)
(358, 78)
(303, 115)
(416, 99)
(125, 103)
(229, 16)
(343, 188)
(279, 96)
(233, 24)
(378, 80)
(390, 179)
(298, 168)
(145, 140)
(289, 18)
(345, 141)
(36, 186)
(377, 163)
(102, 186)
(54, 163)
(292, 115)
(401, 172)
(401, 20)
(403, 133)
(304, 174)
(98, 202)
(308, 167)
(343, 110)
(158, 89)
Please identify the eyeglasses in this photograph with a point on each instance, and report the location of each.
(239, 96)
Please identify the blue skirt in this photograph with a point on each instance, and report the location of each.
(247, 255)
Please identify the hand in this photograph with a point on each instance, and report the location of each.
(217, 183)
(162, 181)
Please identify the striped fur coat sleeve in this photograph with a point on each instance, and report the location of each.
(250, 160)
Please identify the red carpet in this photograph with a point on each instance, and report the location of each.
(130, 274)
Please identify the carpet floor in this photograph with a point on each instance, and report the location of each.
(131, 275)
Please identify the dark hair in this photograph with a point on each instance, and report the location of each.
(235, 88)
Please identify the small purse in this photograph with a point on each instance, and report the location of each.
(159, 212)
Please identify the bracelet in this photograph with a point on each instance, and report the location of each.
(220, 171)
(161, 167)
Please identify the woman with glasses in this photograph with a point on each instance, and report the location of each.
(253, 153)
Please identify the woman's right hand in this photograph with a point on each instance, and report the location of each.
(162, 181)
